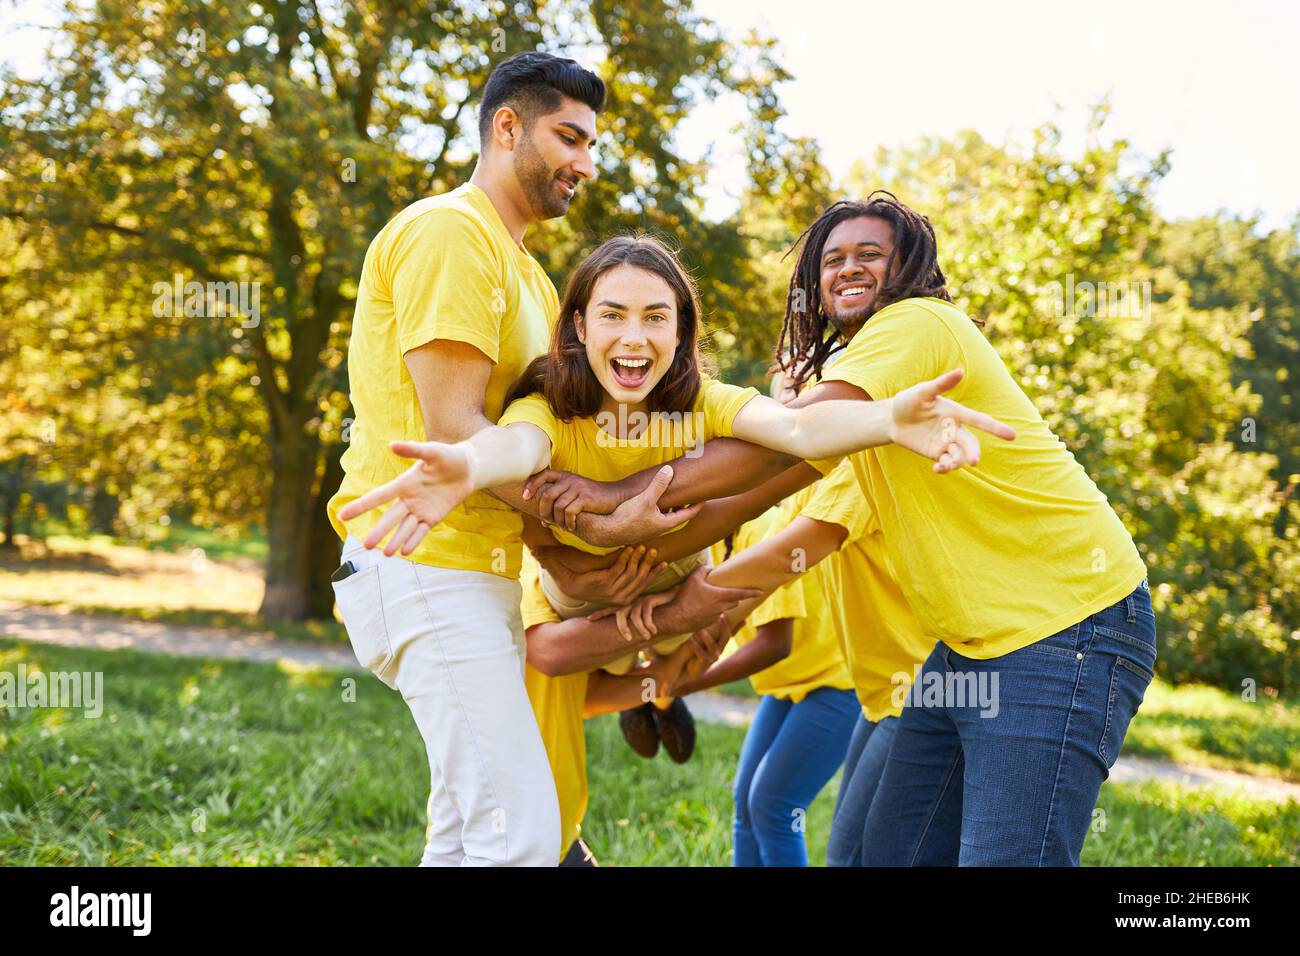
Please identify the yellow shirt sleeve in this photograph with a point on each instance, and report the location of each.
(534, 410)
(826, 465)
(838, 499)
(721, 403)
(903, 344)
(446, 282)
(533, 606)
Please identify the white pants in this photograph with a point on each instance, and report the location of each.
(452, 643)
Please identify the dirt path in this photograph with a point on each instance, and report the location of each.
(50, 626)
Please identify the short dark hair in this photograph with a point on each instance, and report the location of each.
(532, 84)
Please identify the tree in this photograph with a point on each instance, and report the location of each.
(254, 150)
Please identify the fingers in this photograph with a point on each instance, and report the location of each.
(736, 595)
(963, 450)
(546, 502)
(621, 621)
(534, 482)
(416, 537)
(645, 620)
(671, 519)
(422, 450)
(640, 572)
(371, 499)
(387, 522)
(969, 445)
(937, 386)
(659, 483)
(985, 423)
(401, 534)
(603, 613)
(568, 505)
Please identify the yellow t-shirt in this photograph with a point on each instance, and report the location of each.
(880, 636)
(443, 268)
(558, 706)
(582, 446)
(996, 557)
(815, 660)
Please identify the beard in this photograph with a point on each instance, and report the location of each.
(538, 182)
(848, 322)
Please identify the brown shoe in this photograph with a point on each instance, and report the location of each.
(676, 730)
(639, 729)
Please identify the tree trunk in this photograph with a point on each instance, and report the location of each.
(323, 550)
(10, 511)
(289, 517)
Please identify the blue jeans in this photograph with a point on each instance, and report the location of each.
(790, 751)
(863, 764)
(1012, 779)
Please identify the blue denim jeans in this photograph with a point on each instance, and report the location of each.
(1012, 778)
(789, 753)
(863, 764)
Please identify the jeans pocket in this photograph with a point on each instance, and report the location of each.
(361, 605)
(1128, 685)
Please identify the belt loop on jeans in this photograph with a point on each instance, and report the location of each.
(1129, 610)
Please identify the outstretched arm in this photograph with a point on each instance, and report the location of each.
(918, 418)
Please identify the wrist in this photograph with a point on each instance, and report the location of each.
(474, 465)
(594, 529)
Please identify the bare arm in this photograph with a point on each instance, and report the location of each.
(584, 644)
(770, 644)
(713, 523)
(724, 467)
(778, 560)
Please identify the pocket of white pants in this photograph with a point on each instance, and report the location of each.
(361, 605)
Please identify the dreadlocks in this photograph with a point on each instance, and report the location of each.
(912, 270)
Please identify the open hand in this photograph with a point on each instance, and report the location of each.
(439, 480)
(933, 426)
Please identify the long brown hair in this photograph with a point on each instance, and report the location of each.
(565, 377)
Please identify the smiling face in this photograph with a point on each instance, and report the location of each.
(554, 155)
(853, 264)
(630, 331)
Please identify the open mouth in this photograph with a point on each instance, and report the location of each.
(630, 373)
(567, 189)
(853, 293)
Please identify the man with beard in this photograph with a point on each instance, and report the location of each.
(451, 308)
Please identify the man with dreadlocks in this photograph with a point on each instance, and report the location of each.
(1019, 568)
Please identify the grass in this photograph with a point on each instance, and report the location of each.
(238, 763)
(1197, 724)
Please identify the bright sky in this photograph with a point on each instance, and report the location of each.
(1214, 81)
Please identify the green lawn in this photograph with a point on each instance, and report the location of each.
(1196, 724)
(204, 762)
